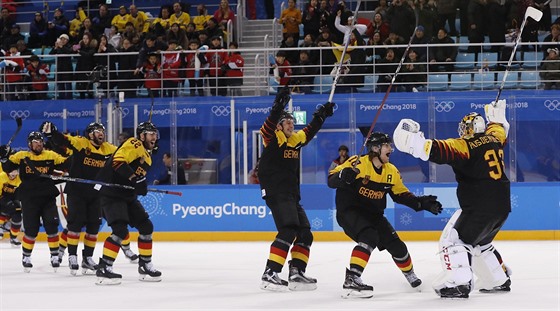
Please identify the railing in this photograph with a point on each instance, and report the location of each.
(470, 71)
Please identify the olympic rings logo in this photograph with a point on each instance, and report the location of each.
(552, 104)
(23, 114)
(444, 106)
(221, 111)
(335, 108)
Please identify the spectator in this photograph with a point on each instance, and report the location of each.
(76, 24)
(13, 70)
(200, 20)
(496, 24)
(64, 69)
(550, 70)
(114, 37)
(165, 177)
(86, 49)
(103, 20)
(177, 34)
(152, 74)
(309, 45)
(289, 45)
(386, 68)
(234, 70)
(290, 19)
(130, 32)
(151, 44)
(447, 14)
(105, 57)
(13, 37)
(421, 38)
(194, 62)
(378, 25)
(6, 22)
(427, 16)
(281, 68)
(224, 14)
(128, 81)
(393, 40)
(552, 40)
(311, 19)
(170, 65)
(378, 47)
(191, 32)
(442, 57)
(342, 157)
(203, 38)
(38, 31)
(87, 27)
(339, 10)
(304, 73)
(382, 9)
(544, 6)
(38, 74)
(477, 12)
(354, 78)
(401, 19)
(414, 72)
(121, 19)
(139, 19)
(213, 29)
(179, 17)
(347, 29)
(23, 50)
(216, 56)
(324, 15)
(326, 57)
(161, 24)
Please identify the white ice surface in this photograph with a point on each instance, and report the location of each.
(226, 276)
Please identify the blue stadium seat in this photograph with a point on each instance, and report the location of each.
(483, 81)
(185, 90)
(142, 92)
(532, 60)
(511, 80)
(465, 61)
(460, 82)
(529, 80)
(489, 59)
(322, 84)
(52, 69)
(437, 82)
(369, 84)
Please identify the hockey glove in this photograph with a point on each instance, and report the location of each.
(324, 111)
(348, 175)
(281, 100)
(429, 203)
(5, 151)
(140, 185)
(47, 128)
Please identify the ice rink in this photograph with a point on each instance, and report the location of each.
(226, 276)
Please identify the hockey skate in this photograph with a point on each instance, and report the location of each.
(106, 276)
(412, 279)
(147, 272)
(61, 253)
(54, 262)
(73, 264)
(461, 291)
(298, 281)
(271, 281)
(355, 288)
(89, 267)
(128, 253)
(27, 265)
(15, 242)
(504, 288)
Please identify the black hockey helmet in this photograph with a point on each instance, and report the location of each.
(378, 139)
(94, 126)
(145, 127)
(35, 135)
(284, 116)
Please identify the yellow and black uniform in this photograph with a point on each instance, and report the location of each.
(360, 208)
(279, 170)
(83, 200)
(121, 206)
(483, 189)
(37, 195)
(10, 207)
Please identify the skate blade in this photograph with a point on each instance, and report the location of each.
(88, 271)
(55, 269)
(357, 294)
(273, 287)
(107, 281)
(296, 286)
(73, 272)
(147, 278)
(494, 291)
(26, 270)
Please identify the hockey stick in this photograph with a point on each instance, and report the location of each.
(337, 75)
(19, 123)
(534, 14)
(96, 182)
(390, 87)
(152, 105)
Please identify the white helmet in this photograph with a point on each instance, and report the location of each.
(471, 124)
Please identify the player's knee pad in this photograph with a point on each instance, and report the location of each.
(145, 227)
(455, 261)
(287, 234)
(397, 248)
(368, 237)
(488, 267)
(120, 230)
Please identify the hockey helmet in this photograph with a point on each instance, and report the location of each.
(378, 139)
(94, 126)
(35, 135)
(284, 116)
(471, 124)
(145, 127)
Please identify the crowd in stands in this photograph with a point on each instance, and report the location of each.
(129, 49)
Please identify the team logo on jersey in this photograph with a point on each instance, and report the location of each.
(87, 151)
(365, 180)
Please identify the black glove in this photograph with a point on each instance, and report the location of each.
(325, 111)
(281, 100)
(348, 174)
(5, 151)
(225, 67)
(430, 203)
(47, 128)
(140, 185)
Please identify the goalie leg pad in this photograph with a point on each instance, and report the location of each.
(488, 268)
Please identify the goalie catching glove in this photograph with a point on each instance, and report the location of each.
(47, 128)
(408, 138)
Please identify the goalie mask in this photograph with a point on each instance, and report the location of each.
(471, 124)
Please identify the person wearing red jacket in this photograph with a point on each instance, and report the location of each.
(233, 67)
(194, 61)
(14, 66)
(171, 64)
(281, 68)
(38, 74)
(216, 57)
(152, 75)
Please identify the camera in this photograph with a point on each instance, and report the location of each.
(97, 73)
